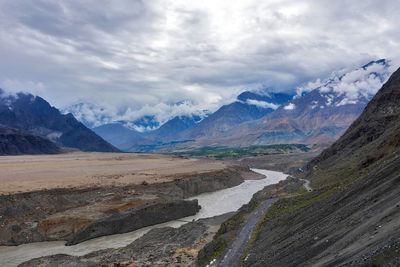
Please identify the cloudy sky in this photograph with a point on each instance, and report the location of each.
(180, 56)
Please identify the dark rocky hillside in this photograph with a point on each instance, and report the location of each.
(35, 115)
(352, 217)
(248, 107)
(16, 142)
(171, 128)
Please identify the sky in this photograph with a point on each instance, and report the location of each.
(172, 57)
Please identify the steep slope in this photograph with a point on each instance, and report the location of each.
(16, 142)
(35, 115)
(249, 106)
(171, 128)
(352, 216)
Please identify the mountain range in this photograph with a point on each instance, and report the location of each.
(249, 106)
(318, 116)
(33, 115)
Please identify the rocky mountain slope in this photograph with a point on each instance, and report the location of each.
(248, 107)
(351, 218)
(16, 142)
(34, 115)
(170, 129)
(320, 116)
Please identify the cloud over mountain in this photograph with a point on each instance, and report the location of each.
(152, 54)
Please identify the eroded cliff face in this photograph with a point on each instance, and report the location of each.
(59, 214)
(165, 246)
(134, 219)
(196, 184)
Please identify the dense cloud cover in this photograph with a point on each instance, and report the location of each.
(133, 58)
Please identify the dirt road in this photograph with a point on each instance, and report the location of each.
(237, 248)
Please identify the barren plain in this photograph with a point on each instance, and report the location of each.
(84, 170)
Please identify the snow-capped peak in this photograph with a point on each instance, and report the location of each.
(352, 87)
(361, 83)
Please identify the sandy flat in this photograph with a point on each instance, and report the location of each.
(79, 170)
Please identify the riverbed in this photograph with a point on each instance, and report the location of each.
(213, 204)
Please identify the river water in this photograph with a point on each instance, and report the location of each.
(213, 204)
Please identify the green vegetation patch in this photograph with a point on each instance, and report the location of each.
(385, 257)
(234, 152)
(288, 205)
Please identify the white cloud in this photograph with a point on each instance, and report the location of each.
(346, 101)
(349, 87)
(309, 86)
(262, 104)
(95, 115)
(358, 83)
(314, 104)
(11, 87)
(290, 106)
(137, 54)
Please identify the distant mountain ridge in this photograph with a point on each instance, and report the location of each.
(35, 115)
(175, 126)
(319, 116)
(248, 107)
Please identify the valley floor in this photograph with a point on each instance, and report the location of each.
(50, 198)
(21, 174)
